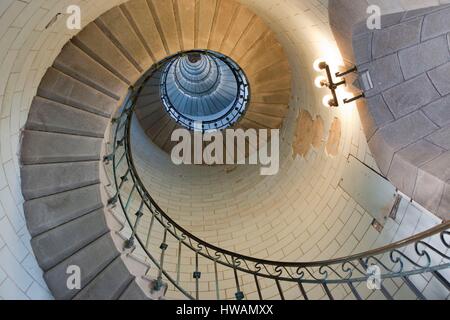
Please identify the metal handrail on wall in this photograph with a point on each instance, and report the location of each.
(426, 252)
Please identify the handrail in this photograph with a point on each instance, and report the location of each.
(344, 270)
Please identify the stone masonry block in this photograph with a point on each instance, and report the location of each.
(410, 96)
(423, 57)
(390, 40)
(439, 111)
(441, 78)
(436, 24)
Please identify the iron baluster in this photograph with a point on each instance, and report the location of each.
(258, 288)
(179, 261)
(123, 179)
(139, 214)
(152, 222)
(280, 290)
(303, 291)
(197, 275)
(441, 279)
(216, 277)
(163, 248)
(327, 291)
(413, 288)
(354, 291)
(239, 294)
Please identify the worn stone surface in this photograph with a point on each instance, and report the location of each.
(400, 36)
(47, 179)
(385, 73)
(438, 111)
(436, 24)
(441, 78)
(47, 115)
(423, 57)
(410, 96)
(441, 138)
(45, 147)
(105, 252)
(407, 130)
(58, 244)
(109, 284)
(49, 212)
(379, 111)
(362, 46)
(403, 171)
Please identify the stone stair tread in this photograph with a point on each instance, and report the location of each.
(104, 251)
(46, 147)
(49, 212)
(60, 87)
(57, 244)
(109, 284)
(76, 63)
(47, 179)
(51, 116)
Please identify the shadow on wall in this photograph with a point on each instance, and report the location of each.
(403, 71)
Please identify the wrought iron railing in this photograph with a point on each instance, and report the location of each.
(154, 233)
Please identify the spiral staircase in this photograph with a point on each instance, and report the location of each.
(154, 64)
(63, 137)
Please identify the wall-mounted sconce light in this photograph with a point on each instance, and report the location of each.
(328, 81)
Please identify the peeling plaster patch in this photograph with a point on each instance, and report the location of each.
(304, 134)
(334, 138)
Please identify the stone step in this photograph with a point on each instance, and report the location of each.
(79, 65)
(117, 27)
(145, 27)
(134, 292)
(55, 245)
(252, 34)
(158, 125)
(240, 23)
(48, 179)
(164, 136)
(276, 110)
(224, 18)
(109, 284)
(51, 116)
(46, 147)
(60, 87)
(265, 120)
(52, 211)
(99, 46)
(104, 251)
(164, 12)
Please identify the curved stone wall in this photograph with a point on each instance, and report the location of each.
(406, 115)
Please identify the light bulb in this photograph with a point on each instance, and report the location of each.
(320, 82)
(316, 64)
(326, 100)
